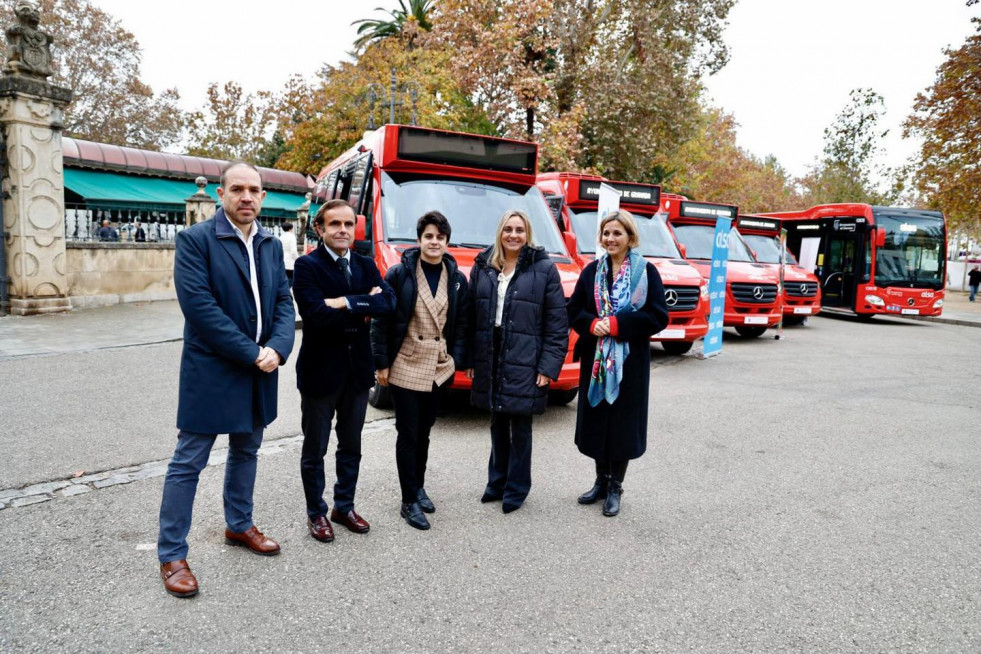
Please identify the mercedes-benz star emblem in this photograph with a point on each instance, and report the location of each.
(671, 297)
(909, 301)
(758, 292)
(803, 289)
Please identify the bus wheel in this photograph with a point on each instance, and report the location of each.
(379, 397)
(750, 332)
(558, 398)
(676, 347)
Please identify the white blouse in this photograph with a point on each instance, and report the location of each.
(502, 289)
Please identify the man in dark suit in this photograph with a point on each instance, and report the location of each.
(239, 327)
(337, 291)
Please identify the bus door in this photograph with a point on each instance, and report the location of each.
(843, 264)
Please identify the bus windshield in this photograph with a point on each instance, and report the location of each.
(767, 249)
(913, 253)
(473, 209)
(699, 239)
(655, 239)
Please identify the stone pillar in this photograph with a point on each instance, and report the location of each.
(302, 215)
(200, 206)
(31, 113)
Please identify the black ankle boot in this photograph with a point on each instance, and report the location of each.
(597, 492)
(611, 506)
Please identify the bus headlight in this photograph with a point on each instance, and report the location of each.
(875, 300)
(939, 303)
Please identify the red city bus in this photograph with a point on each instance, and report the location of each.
(396, 174)
(801, 288)
(752, 301)
(575, 197)
(873, 260)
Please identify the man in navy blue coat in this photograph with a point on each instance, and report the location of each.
(337, 291)
(239, 327)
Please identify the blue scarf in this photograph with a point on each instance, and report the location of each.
(629, 293)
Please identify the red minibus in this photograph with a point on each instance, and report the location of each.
(394, 175)
(752, 301)
(872, 260)
(574, 198)
(801, 288)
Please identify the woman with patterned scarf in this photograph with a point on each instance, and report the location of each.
(616, 307)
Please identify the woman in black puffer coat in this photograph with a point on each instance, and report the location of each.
(519, 336)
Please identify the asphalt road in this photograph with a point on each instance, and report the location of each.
(815, 494)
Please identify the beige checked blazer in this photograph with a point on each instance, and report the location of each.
(422, 360)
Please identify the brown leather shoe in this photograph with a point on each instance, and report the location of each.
(178, 579)
(351, 520)
(254, 540)
(321, 529)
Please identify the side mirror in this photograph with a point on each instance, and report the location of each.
(361, 243)
(683, 250)
(359, 228)
(880, 238)
(571, 244)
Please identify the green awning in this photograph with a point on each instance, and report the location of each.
(107, 190)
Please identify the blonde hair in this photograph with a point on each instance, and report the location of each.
(626, 219)
(497, 254)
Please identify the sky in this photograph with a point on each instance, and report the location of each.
(792, 62)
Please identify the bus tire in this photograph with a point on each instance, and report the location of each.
(379, 397)
(560, 398)
(676, 347)
(750, 332)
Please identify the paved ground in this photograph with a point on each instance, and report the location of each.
(814, 494)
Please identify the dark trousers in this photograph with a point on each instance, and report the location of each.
(316, 415)
(289, 276)
(415, 414)
(509, 469)
(181, 484)
(616, 469)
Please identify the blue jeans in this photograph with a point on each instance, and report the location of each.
(190, 458)
(974, 292)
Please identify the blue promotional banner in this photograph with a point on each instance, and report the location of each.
(717, 288)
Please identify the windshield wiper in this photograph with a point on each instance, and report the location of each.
(474, 246)
(400, 240)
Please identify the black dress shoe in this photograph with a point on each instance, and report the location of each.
(611, 506)
(491, 496)
(424, 501)
(507, 507)
(414, 516)
(597, 492)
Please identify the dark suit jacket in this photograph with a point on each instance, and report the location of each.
(220, 386)
(336, 346)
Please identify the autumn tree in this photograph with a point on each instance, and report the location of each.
(337, 110)
(232, 124)
(712, 167)
(946, 117)
(100, 61)
(848, 170)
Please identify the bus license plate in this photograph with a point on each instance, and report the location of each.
(670, 333)
(911, 312)
(754, 320)
(802, 309)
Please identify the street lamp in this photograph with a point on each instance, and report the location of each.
(375, 92)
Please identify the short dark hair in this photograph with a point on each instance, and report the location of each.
(330, 205)
(288, 226)
(236, 164)
(434, 218)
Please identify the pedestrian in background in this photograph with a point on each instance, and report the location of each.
(973, 281)
(107, 233)
(617, 305)
(239, 328)
(290, 255)
(337, 292)
(417, 349)
(519, 338)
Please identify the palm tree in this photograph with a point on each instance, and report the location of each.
(375, 29)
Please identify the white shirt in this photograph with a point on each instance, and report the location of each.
(252, 272)
(288, 239)
(502, 290)
(335, 257)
